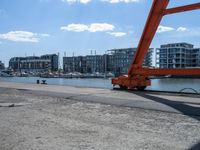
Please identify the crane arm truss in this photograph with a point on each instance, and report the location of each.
(182, 9)
(158, 10)
(150, 29)
(138, 75)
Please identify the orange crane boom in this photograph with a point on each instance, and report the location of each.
(138, 76)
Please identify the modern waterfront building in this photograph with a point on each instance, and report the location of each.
(74, 64)
(116, 61)
(43, 63)
(178, 55)
(95, 63)
(2, 66)
(84, 64)
(120, 59)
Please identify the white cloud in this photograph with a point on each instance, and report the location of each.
(100, 27)
(189, 32)
(22, 36)
(162, 29)
(79, 1)
(75, 27)
(119, 1)
(117, 34)
(182, 29)
(94, 27)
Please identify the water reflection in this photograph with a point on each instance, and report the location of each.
(157, 84)
(175, 84)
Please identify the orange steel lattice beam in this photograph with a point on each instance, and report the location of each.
(181, 9)
(138, 75)
(160, 72)
(150, 29)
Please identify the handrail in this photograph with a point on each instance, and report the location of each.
(189, 89)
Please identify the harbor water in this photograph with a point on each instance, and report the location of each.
(167, 84)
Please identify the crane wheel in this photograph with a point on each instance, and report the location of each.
(141, 88)
(123, 87)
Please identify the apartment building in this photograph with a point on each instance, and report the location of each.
(120, 59)
(84, 64)
(2, 66)
(43, 63)
(116, 61)
(178, 55)
(74, 64)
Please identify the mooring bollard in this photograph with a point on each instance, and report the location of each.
(43, 82)
(38, 81)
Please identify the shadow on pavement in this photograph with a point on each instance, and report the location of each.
(185, 109)
(191, 111)
(195, 147)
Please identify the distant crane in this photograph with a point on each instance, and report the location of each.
(138, 76)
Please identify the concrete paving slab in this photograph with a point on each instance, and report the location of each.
(59, 117)
(187, 104)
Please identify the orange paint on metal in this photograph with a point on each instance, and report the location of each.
(182, 9)
(153, 21)
(137, 75)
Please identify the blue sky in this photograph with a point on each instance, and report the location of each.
(36, 27)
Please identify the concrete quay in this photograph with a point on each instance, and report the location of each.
(63, 117)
